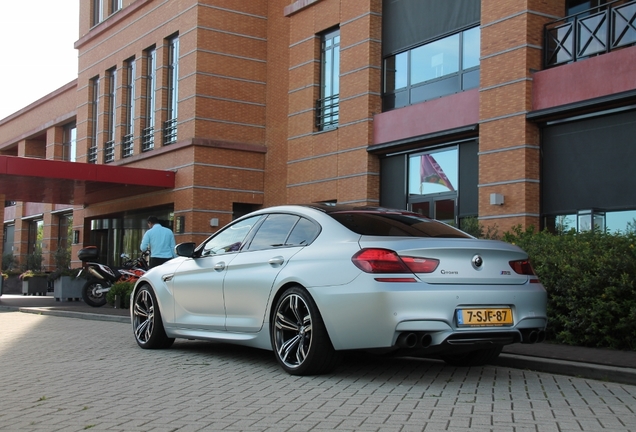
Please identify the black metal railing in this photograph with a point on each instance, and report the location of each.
(148, 139)
(170, 131)
(109, 152)
(595, 31)
(327, 111)
(92, 154)
(127, 146)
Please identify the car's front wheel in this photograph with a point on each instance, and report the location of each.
(474, 358)
(146, 320)
(299, 337)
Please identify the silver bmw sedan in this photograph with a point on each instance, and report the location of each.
(310, 282)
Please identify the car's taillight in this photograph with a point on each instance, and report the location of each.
(421, 265)
(387, 261)
(522, 267)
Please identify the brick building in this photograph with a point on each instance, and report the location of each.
(515, 112)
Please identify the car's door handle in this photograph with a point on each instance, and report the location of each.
(276, 261)
(219, 266)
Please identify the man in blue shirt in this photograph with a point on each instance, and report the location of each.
(160, 241)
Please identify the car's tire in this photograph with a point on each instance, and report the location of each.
(300, 340)
(146, 320)
(89, 296)
(474, 358)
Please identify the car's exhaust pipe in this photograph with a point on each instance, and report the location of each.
(540, 336)
(426, 340)
(407, 340)
(529, 336)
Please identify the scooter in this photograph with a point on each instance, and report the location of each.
(102, 277)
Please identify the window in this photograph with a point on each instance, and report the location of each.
(431, 173)
(97, 14)
(327, 107)
(64, 237)
(109, 148)
(127, 146)
(433, 183)
(34, 246)
(93, 89)
(438, 68)
(230, 239)
(170, 126)
(115, 5)
(584, 220)
(148, 135)
(283, 230)
(70, 142)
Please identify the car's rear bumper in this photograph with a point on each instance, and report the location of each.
(369, 314)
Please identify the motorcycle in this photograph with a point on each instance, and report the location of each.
(102, 277)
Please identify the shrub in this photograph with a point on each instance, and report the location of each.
(8, 262)
(122, 290)
(34, 262)
(64, 272)
(590, 278)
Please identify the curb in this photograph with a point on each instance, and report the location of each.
(568, 368)
(69, 314)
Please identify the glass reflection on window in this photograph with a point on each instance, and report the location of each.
(433, 172)
(435, 60)
(396, 70)
(471, 46)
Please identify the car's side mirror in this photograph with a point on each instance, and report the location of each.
(185, 249)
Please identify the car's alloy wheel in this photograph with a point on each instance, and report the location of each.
(299, 338)
(146, 320)
(474, 358)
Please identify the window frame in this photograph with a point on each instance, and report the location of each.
(464, 78)
(170, 125)
(328, 105)
(147, 136)
(127, 146)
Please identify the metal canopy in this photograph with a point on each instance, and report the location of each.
(60, 182)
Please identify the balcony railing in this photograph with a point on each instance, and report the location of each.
(170, 131)
(594, 31)
(92, 154)
(148, 139)
(327, 111)
(109, 152)
(127, 146)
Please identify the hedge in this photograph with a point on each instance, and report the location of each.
(590, 278)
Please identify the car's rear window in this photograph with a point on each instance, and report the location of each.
(395, 225)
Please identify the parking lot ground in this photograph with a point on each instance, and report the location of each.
(68, 374)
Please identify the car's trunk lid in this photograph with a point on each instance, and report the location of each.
(461, 261)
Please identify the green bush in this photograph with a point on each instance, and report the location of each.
(9, 262)
(122, 290)
(590, 278)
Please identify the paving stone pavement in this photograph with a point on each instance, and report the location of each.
(66, 374)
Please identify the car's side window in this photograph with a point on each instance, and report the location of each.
(273, 232)
(303, 233)
(230, 239)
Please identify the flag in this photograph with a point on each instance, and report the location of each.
(431, 172)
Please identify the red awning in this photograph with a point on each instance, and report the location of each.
(60, 182)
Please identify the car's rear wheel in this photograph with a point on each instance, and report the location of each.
(299, 337)
(146, 321)
(474, 358)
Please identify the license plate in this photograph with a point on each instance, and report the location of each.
(484, 317)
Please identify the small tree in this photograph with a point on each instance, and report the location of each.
(8, 262)
(34, 262)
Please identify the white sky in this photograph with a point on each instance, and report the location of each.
(37, 56)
